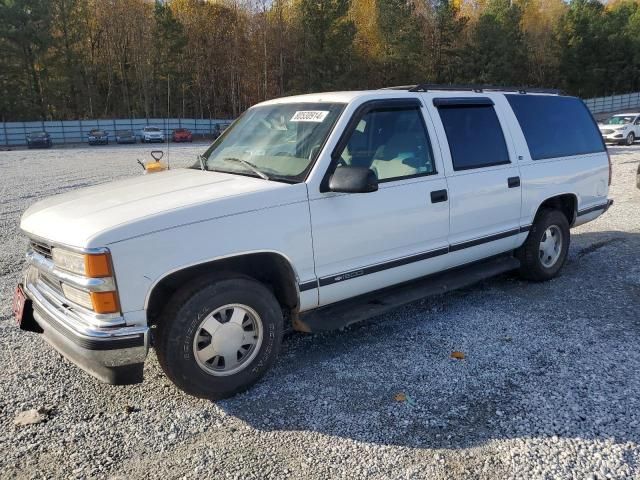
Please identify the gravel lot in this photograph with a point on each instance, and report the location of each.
(549, 387)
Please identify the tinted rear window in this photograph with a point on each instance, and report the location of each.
(475, 136)
(556, 126)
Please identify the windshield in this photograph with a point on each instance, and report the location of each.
(97, 132)
(280, 141)
(620, 120)
(151, 129)
(38, 134)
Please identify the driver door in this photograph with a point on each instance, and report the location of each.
(368, 241)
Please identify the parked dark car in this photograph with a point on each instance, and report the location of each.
(638, 177)
(39, 140)
(182, 135)
(98, 137)
(125, 136)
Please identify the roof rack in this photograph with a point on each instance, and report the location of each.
(426, 87)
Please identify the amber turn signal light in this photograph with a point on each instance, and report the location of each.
(105, 302)
(97, 266)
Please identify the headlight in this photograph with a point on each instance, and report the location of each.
(70, 261)
(91, 266)
(88, 265)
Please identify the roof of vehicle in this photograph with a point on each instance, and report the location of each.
(151, 127)
(628, 114)
(38, 132)
(408, 91)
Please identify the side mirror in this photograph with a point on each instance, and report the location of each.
(353, 180)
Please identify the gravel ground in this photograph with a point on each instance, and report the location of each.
(549, 386)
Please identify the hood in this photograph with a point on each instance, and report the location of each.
(111, 212)
(612, 126)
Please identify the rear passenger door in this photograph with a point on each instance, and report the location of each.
(482, 176)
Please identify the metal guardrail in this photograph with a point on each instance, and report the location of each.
(77, 131)
(613, 103)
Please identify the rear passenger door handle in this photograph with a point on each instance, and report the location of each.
(439, 196)
(514, 182)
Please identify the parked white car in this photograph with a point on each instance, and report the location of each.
(152, 134)
(311, 212)
(622, 128)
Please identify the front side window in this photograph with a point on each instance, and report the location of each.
(475, 136)
(279, 142)
(392, 142)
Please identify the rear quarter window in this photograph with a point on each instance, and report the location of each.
(556, 126)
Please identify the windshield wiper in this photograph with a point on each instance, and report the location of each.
(248, 165)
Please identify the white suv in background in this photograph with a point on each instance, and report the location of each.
(622, 128)
(152, 134)
(310, 212)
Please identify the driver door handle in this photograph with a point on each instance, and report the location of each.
(439, 196)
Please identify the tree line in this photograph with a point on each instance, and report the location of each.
(71, 59)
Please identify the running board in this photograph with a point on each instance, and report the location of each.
(341, 314)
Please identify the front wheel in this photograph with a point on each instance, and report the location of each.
(217, 337)
(545, 250)
(631, 138)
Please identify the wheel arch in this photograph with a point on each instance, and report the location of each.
(271, 268)
(567, 203)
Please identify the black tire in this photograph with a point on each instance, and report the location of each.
(181, 321)
(631, 138)
(532, 266)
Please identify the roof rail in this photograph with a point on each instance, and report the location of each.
(426, 87)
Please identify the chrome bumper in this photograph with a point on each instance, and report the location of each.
(102, 345)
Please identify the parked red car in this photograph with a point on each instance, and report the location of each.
(181, 135)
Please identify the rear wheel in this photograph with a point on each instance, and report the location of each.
(545, 251)
(217, 337)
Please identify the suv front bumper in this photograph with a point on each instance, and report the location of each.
(616, 136)
(113, 353)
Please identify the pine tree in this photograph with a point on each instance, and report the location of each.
(403, 53)
(497, 53)
(25, 29)
(327, 39)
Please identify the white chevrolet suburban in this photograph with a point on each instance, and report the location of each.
(309, 212)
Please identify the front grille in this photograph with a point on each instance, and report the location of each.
(52, 284)
(607, 132)
(41, 248)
